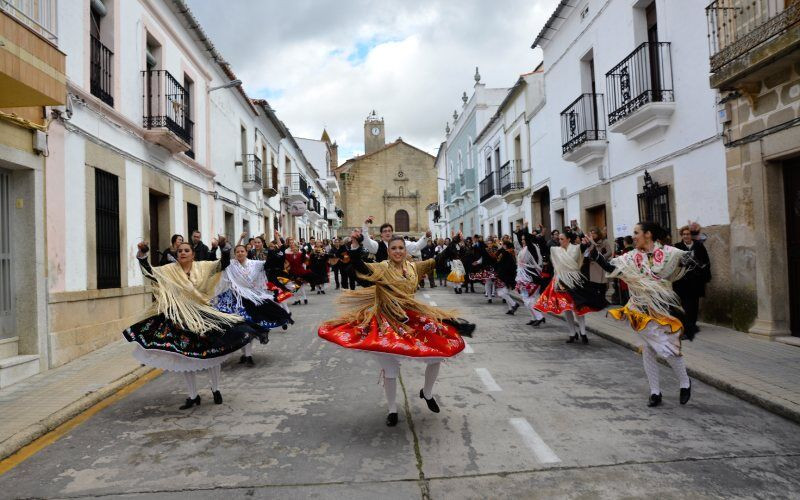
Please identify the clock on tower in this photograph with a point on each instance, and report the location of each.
(374, 133)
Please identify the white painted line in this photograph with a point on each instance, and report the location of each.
(426, 295)
(487, 380)
(433, 303)
(468, 348)
(544, 454)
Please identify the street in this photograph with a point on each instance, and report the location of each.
(523, 415)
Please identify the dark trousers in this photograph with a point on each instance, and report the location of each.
(337, 270)
(690, 301)
(348, 277)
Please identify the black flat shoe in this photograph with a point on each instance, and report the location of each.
(489, 301)
(572, 339)
(686, 394)
(249, 361)
(296, 303)
(510, 312)
(538, 322)
(242, 359)
(584, 339)
(655, 400)
(285, 327)
(531, 322)
(217, 397)
(305, 302)
(190, 402)
(323, 292)
(391, 419)
(432, 406)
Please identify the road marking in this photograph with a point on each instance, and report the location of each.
(468, 348)
(426, 295)
(433, 303)
(544, 454)
(487, 380)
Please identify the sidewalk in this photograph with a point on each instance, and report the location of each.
(35, 406)
(756, 370)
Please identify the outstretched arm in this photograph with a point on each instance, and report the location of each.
(141, 256)
(369, 244)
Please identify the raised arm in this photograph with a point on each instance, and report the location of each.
(597, 256)
(141, 256)
(369, 244)
(415, 247)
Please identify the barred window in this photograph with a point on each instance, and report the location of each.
(654, 203)
(106, 210)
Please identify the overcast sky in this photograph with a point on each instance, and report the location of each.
(329, 63)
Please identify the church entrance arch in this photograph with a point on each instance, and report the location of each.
(401, 221)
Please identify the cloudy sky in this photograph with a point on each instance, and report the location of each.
(325, 63)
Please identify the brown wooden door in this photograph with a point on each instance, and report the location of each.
(791, 181)
(596, 217)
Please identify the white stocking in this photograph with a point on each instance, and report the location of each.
(248, 349)
(431, 372)
(582, 325)
(678, 366)
(489, 286)
(570, 322)
(191, 384)
(503, 294)
(529, 301)
(301, 293)
(390, 386)
(651, 369)
(213, 375)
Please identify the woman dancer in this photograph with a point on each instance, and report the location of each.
(530, 274)
(243, 291)
(386, 320)
(653, 307)
(568, 293)
(505, 266)
(182, 332)
(304, 277)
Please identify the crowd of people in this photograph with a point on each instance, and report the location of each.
(211, 301)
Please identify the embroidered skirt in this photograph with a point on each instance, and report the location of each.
(555, 301)
(267, 315)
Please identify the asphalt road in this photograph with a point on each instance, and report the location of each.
(523, 415)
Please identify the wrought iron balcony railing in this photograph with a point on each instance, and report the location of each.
(582, 121)
(251, 173)
(101, 82)
(166, 104)
(38, 15)
(643, 77)
(488, 187)
(296, 184)
(511, 176)
(737, 26)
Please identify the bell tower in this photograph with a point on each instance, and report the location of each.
(374, 133)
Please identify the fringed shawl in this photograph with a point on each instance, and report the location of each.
(528, 266)
(567, 265)
(185, 299)
(246, 281)
(650, 281)
(390, 298)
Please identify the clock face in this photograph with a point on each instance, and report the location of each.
(376, 131)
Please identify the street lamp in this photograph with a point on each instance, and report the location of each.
(232, 83)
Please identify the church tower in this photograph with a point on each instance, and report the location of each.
(374, 133)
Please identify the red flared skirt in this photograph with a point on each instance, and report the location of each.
(557, 301)
(420, 337)
(283, 295)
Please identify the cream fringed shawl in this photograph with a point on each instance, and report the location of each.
(650, 279)
(567, 265)
(390, 298)
(185, 300)
(246, 281)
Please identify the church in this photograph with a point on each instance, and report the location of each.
(392, 182)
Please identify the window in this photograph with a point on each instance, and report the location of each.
(654, 203)
(106, 212)
(229, 230)
(188, 86)
(100, 38)
(401, 221)
(246, 228)
(191, 220)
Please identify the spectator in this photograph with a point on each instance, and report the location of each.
(692, 285)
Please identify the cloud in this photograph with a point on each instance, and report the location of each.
(328, 64)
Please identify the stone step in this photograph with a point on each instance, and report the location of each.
(16, 368)
(9, 347)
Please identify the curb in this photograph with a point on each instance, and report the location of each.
(771, 404)
(34, 431)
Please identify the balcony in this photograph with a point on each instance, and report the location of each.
(270, 187)
(583, 134)
(251, 173)
(512, 187)
(296, 188)
(488, 187)
(166, 111)
(640, 93)
(32, 69)
(746, 35)
(468, 181)
(100, 79)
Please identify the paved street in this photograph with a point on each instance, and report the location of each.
(523, 415)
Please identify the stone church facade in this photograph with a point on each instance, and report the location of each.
(392, 182)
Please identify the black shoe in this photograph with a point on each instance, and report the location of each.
(323, 292)
(510, 312)
(655, 400)
(584, 339)
(433, 286)
(514, 309)
(218, 396)
(242, 359)
(250, 361)
(531, 322)
(391, 419)
(489, 301)
(572, 339)
(190, 402)
(432, 406)
(686, 394)
(296, 303)
(285, 327)
(538, 322)
(305, 302)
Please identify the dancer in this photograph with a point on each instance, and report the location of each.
(182, 332)
(318, 263)
(387, 320)
(380, 248)
(243, 291)
(505, 265)
(569, 292)
(653, 309)
(297, 262)
(530, 273)
(456, 276)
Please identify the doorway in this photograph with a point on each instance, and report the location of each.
(596, 217)
(791, 182)
(159, 225)
(558, 223)
(7, 305)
